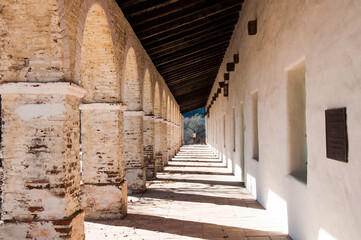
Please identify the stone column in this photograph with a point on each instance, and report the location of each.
(177, 138)
(172, 140)
(41, 161)
(165, 142)
(135, 172)
(169, 141)
(182, 130)
(104, 189)
(158, 143)
(148, 147)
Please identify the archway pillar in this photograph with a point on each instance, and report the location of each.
(150, 161)
(158, 149)
(41, 161)
(135, 171)
(169, 142)
(166, 137)
(104, 189)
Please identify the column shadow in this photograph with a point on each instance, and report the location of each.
(187, 228)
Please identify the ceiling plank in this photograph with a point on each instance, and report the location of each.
(208, 25)
(194, 44)
(165, 24)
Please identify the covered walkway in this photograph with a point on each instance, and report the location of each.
(196, 197)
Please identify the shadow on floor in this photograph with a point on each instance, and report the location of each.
(207, 182)
(195, 166)
(189, 228)
(195, 172)
(195, 161)
(187, 197)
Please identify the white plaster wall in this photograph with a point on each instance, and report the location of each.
(328, 35)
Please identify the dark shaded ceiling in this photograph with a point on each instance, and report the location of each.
(186, 40)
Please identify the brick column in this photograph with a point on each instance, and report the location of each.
(135, 172)
(169, 141)
(148, 147)
(172, 140)
(41, 161)
(177, 130)
(182, 130)
(165, 141)
(104, 190)
(158, 143)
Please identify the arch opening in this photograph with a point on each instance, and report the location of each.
(157, 106)
(98, 68)
(131, 88)
(147, 94)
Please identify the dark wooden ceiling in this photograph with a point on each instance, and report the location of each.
(186, 40)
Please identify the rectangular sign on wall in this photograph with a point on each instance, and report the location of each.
(336, 134)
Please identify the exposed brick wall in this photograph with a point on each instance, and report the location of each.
(102, 139)
(98, 67)
(67, 40)
(158, 144)
(32, 52)
(148, 145)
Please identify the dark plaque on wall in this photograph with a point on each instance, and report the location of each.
(336, 134)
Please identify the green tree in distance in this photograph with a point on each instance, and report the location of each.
(194, 124)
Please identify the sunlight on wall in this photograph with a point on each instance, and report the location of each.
(224, 159)
(230, 164)
(277, 207)
(251, 185)
(324, 235)
(238, 171)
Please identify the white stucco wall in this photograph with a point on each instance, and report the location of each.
(327, 35)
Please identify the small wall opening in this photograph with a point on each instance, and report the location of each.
(296, 113)
(255, 142)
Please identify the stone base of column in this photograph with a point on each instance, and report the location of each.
(160, 163)
(152, 170)
(67, 228)
(136, 179)
(104, 201)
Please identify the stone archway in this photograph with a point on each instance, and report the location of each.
(130, 82)
(135, 170)
(101, 119)
(148, 127)
(147, 94)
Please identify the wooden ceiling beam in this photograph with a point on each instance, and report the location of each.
(199, 67)
(168, 23)
(194, 44)
(194, 78)
(191, 39)
(163, 61)
(161, 11)
(191, 74)
(184, 98)
(192, 61)
(177, 77)
(207, 25)
(190, 86)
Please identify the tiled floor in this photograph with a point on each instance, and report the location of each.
(195, 198)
